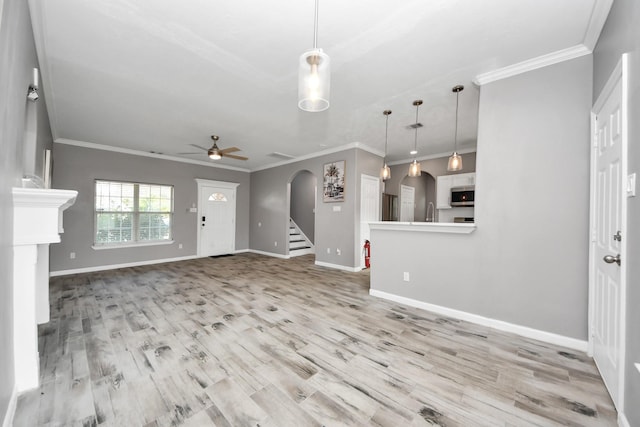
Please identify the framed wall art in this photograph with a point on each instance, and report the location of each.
(333, 181)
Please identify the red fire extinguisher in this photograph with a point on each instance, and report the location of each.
(367, 254)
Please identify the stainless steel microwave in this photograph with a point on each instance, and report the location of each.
(463, 196)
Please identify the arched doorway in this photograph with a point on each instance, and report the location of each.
(424, 189)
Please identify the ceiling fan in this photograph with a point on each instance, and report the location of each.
(216, 153)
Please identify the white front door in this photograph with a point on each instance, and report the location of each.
(216, 218)
(369, 208)
(607, 235)
(407, 203)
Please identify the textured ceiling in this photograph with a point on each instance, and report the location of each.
(159, 75)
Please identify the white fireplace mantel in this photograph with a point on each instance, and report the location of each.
(37, 222)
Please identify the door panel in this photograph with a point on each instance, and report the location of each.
(369, 208)
(217, 221)
(407, 203)
(607, 303)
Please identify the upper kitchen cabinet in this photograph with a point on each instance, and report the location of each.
(446, 182)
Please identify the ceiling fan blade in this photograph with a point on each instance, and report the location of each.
(230, 150)
(198, 146)
(233, 156)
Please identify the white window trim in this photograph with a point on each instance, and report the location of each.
(135, 213)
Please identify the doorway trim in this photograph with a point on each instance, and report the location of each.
(620, 73)
(219, 184)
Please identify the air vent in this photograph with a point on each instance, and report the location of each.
(281, 156)
(415, 126)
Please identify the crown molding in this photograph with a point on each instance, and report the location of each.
(431, 157)
(95, 146)
(353, 145)
(532, 64)
(103, 147)
(599, 16)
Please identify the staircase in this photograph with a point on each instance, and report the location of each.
(299, 244)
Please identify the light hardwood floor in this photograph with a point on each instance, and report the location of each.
(248, 340)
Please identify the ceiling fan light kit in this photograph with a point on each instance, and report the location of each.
(455, 160)
(216, 153)
(314, 76)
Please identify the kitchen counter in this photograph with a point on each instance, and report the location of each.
(424, 227)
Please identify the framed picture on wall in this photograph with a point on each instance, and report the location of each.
(333, 182)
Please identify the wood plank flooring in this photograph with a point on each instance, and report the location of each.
(248, 340)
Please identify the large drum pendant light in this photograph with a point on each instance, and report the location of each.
(455, 160)
(385, 173)
(314, 76)
(415, 168)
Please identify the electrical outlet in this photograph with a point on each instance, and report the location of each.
(259, 224)
(328, 250)
(72, 255)
(179, 245)
(405, 276)
(338, 251)
(275, 243)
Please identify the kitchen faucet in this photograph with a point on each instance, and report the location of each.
(433, 212)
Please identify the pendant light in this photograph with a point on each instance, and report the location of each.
(314, 76)
(415, 167)
(385, 173)
(455, 160)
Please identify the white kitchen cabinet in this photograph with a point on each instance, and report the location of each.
(443, 191)
(463, 179)
(444, 183)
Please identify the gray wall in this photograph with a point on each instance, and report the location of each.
(334, 229)
(76, 168)
(303, 202)
(622, 34)
(527, 261)
(17, 59)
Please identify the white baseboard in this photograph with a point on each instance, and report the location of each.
(338, 267)
(623, 421)
(524, 331)
(271, 254)
(115, 266)
(11, 408)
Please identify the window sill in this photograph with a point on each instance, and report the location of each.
(131, 245)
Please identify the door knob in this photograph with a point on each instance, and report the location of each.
(610, 259)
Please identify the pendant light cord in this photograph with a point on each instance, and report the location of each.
(386, 137)
(415, 140)
(455, 138)
(315, 28)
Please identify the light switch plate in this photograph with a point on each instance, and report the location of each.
(631, 185)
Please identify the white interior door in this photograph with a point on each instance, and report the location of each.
(607, 267)
(216, 219)
(369, 208)
(407, 203)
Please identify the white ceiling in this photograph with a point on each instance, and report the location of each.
(158, 75)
